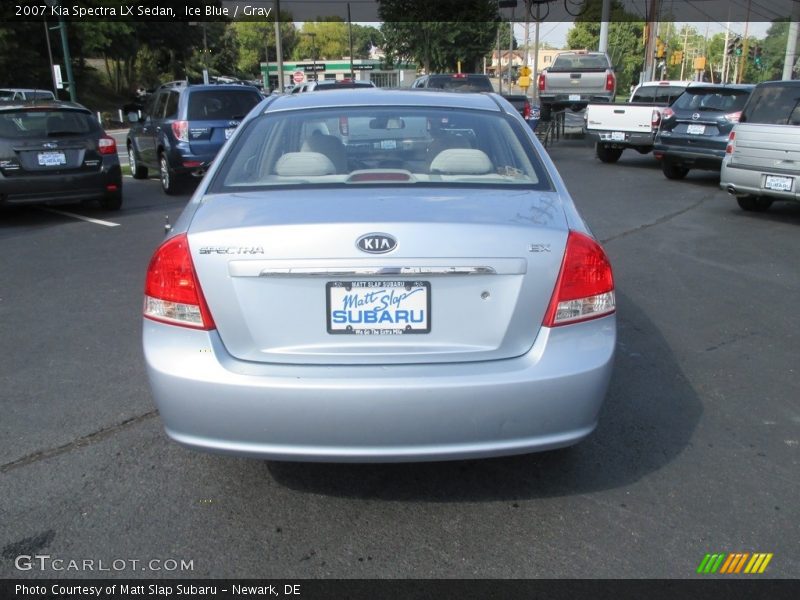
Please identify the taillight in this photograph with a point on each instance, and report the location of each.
(734, 116)
(667, 113)
(585, 286)
(180, 130)
(611, 82)
(107, 145)
(655, 119)
(172, 293)
(526, 110)
(731, 138)
(542, 82)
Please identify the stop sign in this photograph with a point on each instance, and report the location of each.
(298, 77)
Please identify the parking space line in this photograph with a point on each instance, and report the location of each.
(81, 217)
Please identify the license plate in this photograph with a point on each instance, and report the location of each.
(574, 97)
(618, 136)
(52, 159)
(696, 129)
(378, 307)
(780, 184)
(229, 132)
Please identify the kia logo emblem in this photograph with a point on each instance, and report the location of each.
(695, 116)
(376, 243)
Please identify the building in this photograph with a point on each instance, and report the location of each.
(376, 71)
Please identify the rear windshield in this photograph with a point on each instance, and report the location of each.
(774, 105)
(346, 85)
(215, 105)
(461, 84)
(384, 146)
(580, 62)
(20, 124)
(661, 94)
(724, 101)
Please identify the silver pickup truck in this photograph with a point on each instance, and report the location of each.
(574, 80)
(762, 160)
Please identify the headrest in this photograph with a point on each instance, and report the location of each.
(461, 161)
(304, 164)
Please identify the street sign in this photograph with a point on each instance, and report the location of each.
(57, 75)
(523, 81)
(298, 77)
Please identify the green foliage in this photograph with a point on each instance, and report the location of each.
(420, 31)
(256, 42)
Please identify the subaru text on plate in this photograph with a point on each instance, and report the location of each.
(380, 275)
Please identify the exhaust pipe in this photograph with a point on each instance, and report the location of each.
(731, 190)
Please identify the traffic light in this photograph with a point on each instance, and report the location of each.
(677, 57)
(757, 56)
(734, 46)
(661, 49)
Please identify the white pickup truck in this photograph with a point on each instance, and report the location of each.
(619, 125)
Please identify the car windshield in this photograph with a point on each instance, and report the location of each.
(718, 100)
(20, 124)
(579, 62)
(386, 146)
(207, 105)
(461, 84)
(663, 94)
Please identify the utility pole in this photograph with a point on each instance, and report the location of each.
(535, 78)
(744, 49)
(279, 44)
(604, 22)
(50, 56)
(683, 54)
(350, 37)
(724, 72)
(511, 48)
(791, 44)
(652, 32)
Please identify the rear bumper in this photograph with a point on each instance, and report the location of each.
(52, 188)
(548, 398)
(179, 155)
(706, 158)
(749, 181)
(631, 139)
(564, 99)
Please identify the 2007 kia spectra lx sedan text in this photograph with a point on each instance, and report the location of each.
(375, 275)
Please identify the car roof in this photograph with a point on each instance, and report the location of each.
(44, 104)
(665, 83)
(385, 97)
(721, 86)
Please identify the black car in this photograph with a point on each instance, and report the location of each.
(694, 130)
(53, 152)
(454, 82)
(331, 84)
(182, 128)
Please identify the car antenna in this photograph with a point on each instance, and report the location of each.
(167, 226)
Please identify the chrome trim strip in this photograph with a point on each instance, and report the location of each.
(373, 271)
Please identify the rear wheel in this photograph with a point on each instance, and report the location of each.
(753, 203)
(672, 170)
(137, 170)
(607, 154)
(170, 182)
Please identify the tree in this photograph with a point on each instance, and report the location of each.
(256, 42)
(773, 50)
(323, 40)
(418, 30)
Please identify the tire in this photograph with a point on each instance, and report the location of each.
(753, 203)
(112, 201)
(607, 154)
(672, 170)
(169, 180)
(137, 170)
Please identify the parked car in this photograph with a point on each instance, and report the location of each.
(471, 82)
(380, 275)
(574, 79)
(25, 94)
(694, 131)
(332, 84)
(183, 127)
(762, 158)
(53, 152)
(616, 126)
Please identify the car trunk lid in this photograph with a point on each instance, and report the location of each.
(478, 267)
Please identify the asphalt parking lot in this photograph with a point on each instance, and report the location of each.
(697, 451)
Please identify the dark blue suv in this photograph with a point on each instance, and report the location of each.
(182, 127)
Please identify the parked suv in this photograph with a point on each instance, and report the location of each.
(182, 128)
(762, 159)
(694, 131)
(54, 152)
(455, 82)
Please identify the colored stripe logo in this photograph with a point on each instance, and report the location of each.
(734, 563)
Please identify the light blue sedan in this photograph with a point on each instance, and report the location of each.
(380, 275)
